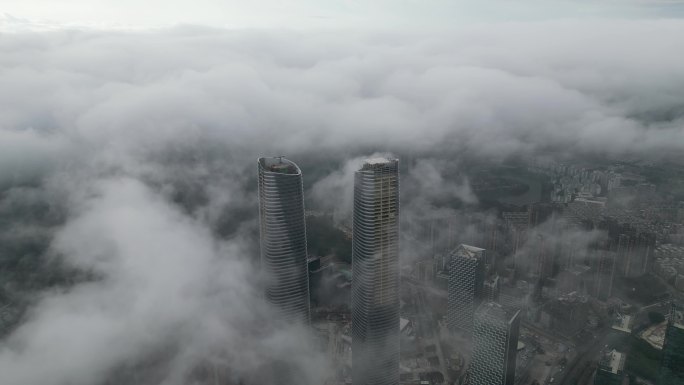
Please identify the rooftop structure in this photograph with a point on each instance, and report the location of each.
(279, 165)
(379, 160)
(611, 368)
(623, 323)
(471, 251)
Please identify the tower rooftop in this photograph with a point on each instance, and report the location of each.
(378, 162)
(279, 164)
(467, 251)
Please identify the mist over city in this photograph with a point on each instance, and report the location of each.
(342, 192)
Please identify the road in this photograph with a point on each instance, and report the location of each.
(586, 355)
(429, 325)
(425, 288)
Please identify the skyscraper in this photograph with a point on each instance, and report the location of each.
(465, 287)
(495, 344)
(543, 258)
(491, 289)
(375, 274)
(672, 365)
(605, 274)
(283, 237)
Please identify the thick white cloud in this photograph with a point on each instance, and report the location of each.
(573, 86)
(165, 288)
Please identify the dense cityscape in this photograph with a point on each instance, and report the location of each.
(504, 298)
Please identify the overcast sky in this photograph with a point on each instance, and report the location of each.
(331, 13)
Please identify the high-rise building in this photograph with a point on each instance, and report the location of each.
(543, 258)
(283, 237)
(611, 368)
(518, 225)
(375, 274)
(605, 267)
(672, 365)
(495, 345)
(491, 289)
(465, 287)
(634, 247)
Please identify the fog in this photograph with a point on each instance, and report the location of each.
(143, 146)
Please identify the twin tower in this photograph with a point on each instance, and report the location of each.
(375, 259)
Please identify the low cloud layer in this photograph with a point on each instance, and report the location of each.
(165, 293)
(611, 87)
(146, 143)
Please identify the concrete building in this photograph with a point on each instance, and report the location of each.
(634, 247)
(543, 256)
(491, 289)
(611, 368)
(672, 364)
(566, 315)
(375, 269)
(495, 343)
(283, 237)
(466, 285)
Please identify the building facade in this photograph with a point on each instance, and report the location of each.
(282, 231)
(375, 274)
(495, 344)
(465, 286)
(672, 365)
(605, 268)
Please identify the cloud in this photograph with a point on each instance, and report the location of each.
(146, 141)
(28, 154)
(428, 183)
(514, 90)
(165, 287)
(335, 192)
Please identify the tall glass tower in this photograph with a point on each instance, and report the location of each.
(375, 274)
(283, 237)
(671, 367)
(495, 344)
(465, 287)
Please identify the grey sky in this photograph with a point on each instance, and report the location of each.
(331, 13)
